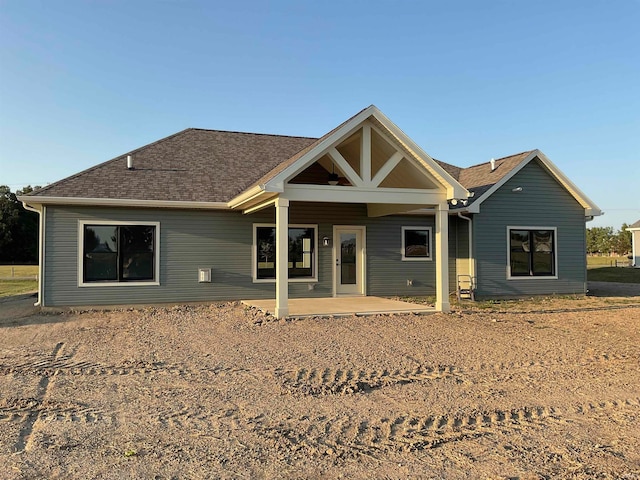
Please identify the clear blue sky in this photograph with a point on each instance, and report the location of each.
(83, 82)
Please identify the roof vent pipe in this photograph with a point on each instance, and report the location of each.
(129, 162)
(493, 164)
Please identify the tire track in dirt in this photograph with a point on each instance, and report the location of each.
(336, 381)
(24, 437)
(47, 367)
(347, 436)
(21, 409)
(331, 381)
(567, 362)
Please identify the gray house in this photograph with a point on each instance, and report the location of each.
(635, 243)
(208, 215)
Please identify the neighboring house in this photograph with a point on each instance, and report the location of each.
(635, 243)
(208, 215)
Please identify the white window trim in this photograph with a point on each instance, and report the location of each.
(417, 259)
(254, 254)
(555, 254)
(156, 252)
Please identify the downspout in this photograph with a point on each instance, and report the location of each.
(40, 249)
(472, 263)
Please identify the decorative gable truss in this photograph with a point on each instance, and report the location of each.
(368, 160)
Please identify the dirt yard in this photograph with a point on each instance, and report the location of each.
(541, 389)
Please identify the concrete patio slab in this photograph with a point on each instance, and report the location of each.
(341, 306)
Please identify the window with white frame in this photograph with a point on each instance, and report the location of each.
(416, 243)
(301, 248)
(532, 252)
(118, 253)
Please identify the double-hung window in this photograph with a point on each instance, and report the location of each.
(301, 250)
(118, 253)
(416, 243)
(532, 252)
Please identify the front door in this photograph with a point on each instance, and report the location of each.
(349, 258)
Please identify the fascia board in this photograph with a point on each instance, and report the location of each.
(454, 188)
(119, 202)
(322, 147)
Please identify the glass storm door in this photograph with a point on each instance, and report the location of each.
(349, 260)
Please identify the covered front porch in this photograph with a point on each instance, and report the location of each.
(341, 306)
(366, 161)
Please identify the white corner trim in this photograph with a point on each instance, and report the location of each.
(430, 240)
(80, 245)
(555, 254)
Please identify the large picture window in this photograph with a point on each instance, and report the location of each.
(416, 243)
(118, 253)
(302, 252)
(532, 252)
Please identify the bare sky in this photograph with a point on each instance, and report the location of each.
(83, 82)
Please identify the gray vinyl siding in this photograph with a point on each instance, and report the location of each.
(223, 241)
(543, 202)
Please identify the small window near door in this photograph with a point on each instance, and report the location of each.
(416, 243)
(302, 252)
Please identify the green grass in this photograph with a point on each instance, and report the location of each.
(614, 274)
(599, 262)
(16, 287)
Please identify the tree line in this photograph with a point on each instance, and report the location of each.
(606, 241)
(18, 228)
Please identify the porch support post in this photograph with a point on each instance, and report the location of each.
(442, 258)
(282, 257)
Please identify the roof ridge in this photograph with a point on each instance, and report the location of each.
(100, 165)
(252, 133)
(501, 158)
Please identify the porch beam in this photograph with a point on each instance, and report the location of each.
(365, 154)
(386, 168)
(342, 163)
(282, 258)
(442, 257)
(338, 193)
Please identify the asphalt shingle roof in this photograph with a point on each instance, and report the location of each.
(197, 165)
(192, 165)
